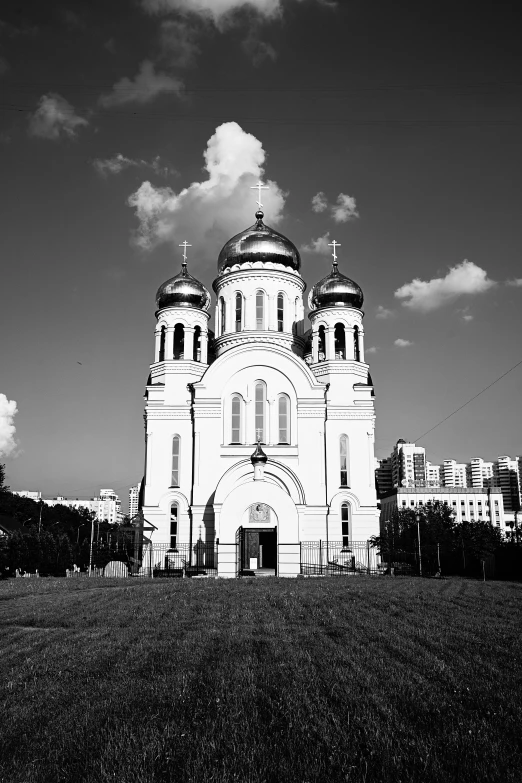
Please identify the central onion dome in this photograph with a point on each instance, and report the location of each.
(183, 290)
(259, 243)
(335, 290)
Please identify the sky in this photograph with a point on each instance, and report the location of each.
(129, 127)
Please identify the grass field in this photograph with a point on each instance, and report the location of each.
(359, 679)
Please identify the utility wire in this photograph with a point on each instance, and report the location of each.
(470, 400)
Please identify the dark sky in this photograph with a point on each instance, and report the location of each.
(412, 109)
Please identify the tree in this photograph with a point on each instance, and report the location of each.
(3, 487)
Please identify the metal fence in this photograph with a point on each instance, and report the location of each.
(157, 560)
(338, 558)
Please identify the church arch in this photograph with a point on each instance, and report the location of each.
(179, 341)
(260, 303)
(356, 344)
(345, 523)
(322, 343)
(163, 335)
(238, 311)
(340, 341)
(242, 472)
(197, 344)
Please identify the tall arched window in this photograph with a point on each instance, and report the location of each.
(223, 316)
(284, 419)
(239, 312)
(280, 312)
(162, 344)
(197, 344)
(179, 341)
(340, 342)
(174, 526)
(356, 349)
(296, 315)
(236, 420)
(322, 344)
(260, 310)
(345, 524)
(260, 408)
(176, 442)
(344, 461)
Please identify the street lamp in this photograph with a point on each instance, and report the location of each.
(417, 517)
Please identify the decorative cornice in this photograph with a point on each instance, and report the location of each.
(258, 270)
(254, 337)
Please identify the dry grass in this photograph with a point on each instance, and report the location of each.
(300, 680)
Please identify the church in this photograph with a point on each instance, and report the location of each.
(260, 436)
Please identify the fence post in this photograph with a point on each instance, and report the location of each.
(320, 556)
(368, 555)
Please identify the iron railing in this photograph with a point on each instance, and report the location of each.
(338, 558)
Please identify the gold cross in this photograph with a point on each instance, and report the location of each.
(259, 187)
(184, 245)
(334, 244)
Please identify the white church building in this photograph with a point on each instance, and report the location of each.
(260, 437)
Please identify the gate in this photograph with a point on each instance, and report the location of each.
(239, 551)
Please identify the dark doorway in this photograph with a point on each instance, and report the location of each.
(258, 551)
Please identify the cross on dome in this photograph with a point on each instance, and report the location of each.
(259, 187)
(334, 244)
(184, 245)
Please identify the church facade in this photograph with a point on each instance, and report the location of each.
(261, 436)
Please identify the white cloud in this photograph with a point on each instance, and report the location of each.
(212, 211)
(465, 278)
(319, 202)
(319, 245)
(384, 313)
(516, 282)
(216, 10)
(467, 317)
(372, 349)
(402, 343)
(145, 86)
(178, 43)
(346, 209)
(118, 162)
(55, 117)
(8, 410)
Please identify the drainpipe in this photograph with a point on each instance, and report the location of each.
(327, 386)
(190, 387)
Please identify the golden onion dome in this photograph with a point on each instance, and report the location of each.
(183, 290)
(259, 243)
(335, 290)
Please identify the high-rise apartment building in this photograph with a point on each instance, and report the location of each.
(434, 474)
(134, 496)
(383, 476)
(455, 473)
(507, 475)
(408, 464)
(106, 507)
(480, 473)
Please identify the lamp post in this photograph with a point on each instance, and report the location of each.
(417, 517)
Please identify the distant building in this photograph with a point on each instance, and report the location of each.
(467, 503)
(508, 473)
(28, 493)
(383, 476)
(480, 473)
(433, 474)
(134, 496)
(106, 507)
(455, 473)
(408, 463)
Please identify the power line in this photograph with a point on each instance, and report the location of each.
(470, 400)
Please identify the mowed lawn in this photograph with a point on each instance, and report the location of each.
(335, 679)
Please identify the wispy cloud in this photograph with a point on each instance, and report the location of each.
(212, 209)
(218, 11)
(319, 202)
(345, 209)
(516, 282)
(178, 41)
(258, 51)
(464, 279)
(319, 245)
(372, 349)
(146, 85)
(402, 343)
(384, 313)
(465, 314)
(119, 162)
(54, 118)
(8, 411)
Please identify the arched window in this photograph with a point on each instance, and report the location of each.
(236, 419)
(340, 342)
(284, 419)
(356, 349)
(260, 407)
(174, 526)
(296, 315)
(179, 341)
(197, 344)
(174, 482)
(260, 310)
(223, 316)
(344, 461)
(322, 344)
(280, 312)
(345, 524)
(162, 344)
(239, 312)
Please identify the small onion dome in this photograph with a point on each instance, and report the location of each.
(183, 290)
(335, 290)
(259, 243)
(259, 456)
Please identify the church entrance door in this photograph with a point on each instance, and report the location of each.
(257, 551)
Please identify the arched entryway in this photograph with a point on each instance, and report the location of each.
(257, 541)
